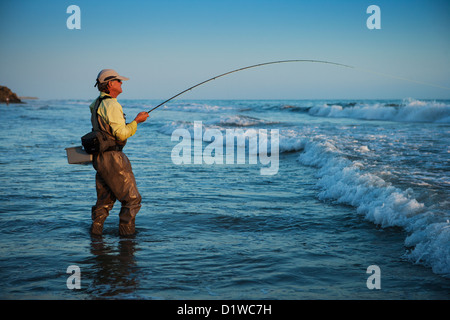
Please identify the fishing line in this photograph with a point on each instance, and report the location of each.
(299, 60)
(401, 78)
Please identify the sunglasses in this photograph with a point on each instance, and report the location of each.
(108, 80)
(111, 78)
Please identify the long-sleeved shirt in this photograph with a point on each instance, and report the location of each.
(111, 112)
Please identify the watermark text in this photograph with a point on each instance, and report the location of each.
(234, 150)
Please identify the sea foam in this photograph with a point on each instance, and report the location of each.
(343, 181)
(410, 111)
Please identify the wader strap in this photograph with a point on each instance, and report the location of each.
(119, 144)
(94, 113)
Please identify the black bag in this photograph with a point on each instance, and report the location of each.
(97, 141)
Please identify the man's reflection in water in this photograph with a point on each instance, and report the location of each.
(114, 269)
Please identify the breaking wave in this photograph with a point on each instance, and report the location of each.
(345, 182)
(409, 111)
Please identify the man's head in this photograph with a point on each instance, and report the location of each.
(109, 81)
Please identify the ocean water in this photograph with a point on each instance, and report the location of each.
(355, 184)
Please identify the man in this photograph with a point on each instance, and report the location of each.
(114, 178)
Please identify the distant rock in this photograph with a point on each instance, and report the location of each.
(28, 98)
(7, 96)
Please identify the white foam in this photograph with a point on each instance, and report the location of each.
(363, 149)
(411, 111)
(431, 246)
(345, 182)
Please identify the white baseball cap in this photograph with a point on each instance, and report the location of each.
(108, 75)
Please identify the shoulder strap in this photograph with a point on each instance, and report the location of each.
(103, 126)
(94, 115)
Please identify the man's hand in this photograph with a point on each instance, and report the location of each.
(141, 117)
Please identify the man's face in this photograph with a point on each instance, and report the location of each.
(115, 87)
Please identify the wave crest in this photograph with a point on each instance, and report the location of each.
(343, 181)
(410, 111)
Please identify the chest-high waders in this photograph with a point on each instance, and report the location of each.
(114, 180)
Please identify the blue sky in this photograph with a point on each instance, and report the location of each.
(166, 46)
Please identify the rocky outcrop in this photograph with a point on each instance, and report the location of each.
(7, 96)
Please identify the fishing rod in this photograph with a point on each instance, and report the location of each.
(248, 67)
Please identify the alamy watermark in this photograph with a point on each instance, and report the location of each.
(374, 21)
(74, 20)
(74, 280)
(229, 149)
(374, 280)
